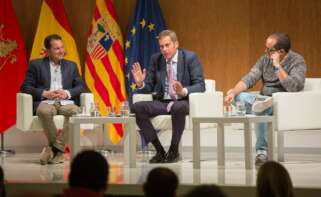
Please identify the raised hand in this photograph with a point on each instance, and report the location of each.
(276, 58)
(138, 74)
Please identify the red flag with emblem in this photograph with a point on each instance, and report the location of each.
(104, 68)
(13, 64)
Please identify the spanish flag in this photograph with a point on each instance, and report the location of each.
(53, 20)
(104, 67)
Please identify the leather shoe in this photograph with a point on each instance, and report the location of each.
(158, 158)
(58, 158)
(46, 155)
(172, 157)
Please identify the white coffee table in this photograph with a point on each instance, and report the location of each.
(247, 121)
(129, 134)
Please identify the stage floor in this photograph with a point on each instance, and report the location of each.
(23, 172)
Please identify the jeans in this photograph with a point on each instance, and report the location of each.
(260, 128)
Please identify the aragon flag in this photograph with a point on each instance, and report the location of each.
(104, 67)
(53, 20)
(13, 64)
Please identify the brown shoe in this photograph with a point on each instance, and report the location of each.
(58, 158)
(46, 155)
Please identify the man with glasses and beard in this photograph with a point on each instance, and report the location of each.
(281, 70)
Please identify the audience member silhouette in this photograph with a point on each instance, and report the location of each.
(206, 190)
(2, 186)
(273, 180)
(161, 182)
(88, 175)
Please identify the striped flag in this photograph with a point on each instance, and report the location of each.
(53, 20)
(104, 67)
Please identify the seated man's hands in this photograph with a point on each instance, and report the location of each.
(60, 94)
(49, 94)
(229, 98)
(179, 89)
(55, 94)
(276, 58)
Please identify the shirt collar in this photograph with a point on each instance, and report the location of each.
(174, 59)
(51, 63)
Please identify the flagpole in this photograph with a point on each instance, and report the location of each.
(4, 152)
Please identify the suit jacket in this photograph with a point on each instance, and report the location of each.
(37, 80)
(189, 73)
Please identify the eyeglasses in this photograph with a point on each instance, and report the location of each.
(271, 50)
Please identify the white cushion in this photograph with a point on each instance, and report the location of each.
(312, 84)
(297, 111)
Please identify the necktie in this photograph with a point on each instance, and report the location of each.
(171, 91)
(170, 77)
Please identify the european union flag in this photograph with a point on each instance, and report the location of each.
(142, 39)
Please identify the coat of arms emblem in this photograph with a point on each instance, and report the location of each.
(7, 46)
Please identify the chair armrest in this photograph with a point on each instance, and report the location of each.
(297, 110)
(209, 85)
(142, 97)
(205, 105)
(24, 109)
(85, 101)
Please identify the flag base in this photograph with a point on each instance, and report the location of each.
(3, 152)
(7, 153)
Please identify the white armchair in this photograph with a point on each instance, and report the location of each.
(26, 121)
(206, 104)
(297, 111)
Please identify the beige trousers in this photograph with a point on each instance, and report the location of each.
(46, 112)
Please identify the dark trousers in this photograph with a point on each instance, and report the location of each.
(148, 109)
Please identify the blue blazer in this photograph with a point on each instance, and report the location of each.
(189, 73)
(37, 80)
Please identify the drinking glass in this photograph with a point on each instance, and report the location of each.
(124, 109)
(227, 110)
(111, 111)
(240, 108)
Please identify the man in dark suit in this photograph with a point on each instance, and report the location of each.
(172, 75)
(55, 86)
